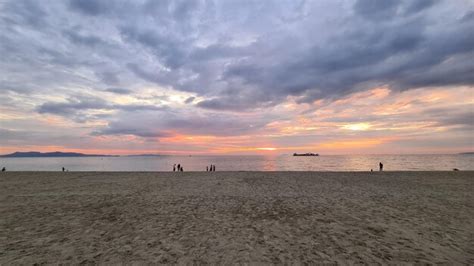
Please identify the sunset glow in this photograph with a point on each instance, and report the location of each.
(182, 78)
(358, 126)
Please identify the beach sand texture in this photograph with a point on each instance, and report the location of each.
(236, 217)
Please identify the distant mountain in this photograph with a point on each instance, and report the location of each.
(144, 155)
(467, 153)
(50, 154)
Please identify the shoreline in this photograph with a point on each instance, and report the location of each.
(246, 171)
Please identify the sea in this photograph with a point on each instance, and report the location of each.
(246, 163)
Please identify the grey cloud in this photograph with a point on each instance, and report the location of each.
(34, 136)
(72, 106)
(153, 123)
(469, 16)
(460, 116)
(418, 5)
(138, 107)
(27, 12)
(376, 10)
(237, 56)
(78, 105)
(146, 75)
(168, 50)
(387, 54)
(234, 104)
(380, 11)
(119, 91)
(78, 38)
(189, 100)
(109, 78)
(466, 119)
(139, 132)
(89, 7)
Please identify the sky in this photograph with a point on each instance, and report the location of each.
(237, 76)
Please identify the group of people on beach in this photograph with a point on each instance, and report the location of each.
(380, 167)
(178, 168)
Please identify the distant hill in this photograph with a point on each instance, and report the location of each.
(144, 155)
(50, 154)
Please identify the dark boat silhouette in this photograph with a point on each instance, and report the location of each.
(305, 154)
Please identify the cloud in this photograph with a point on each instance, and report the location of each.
(139, 132)
(448, 116)
(189, 100)
(214, 64)
(76, 105)
(89, 7)
(119, 91)
(72, 106)
(270, 55)
(155, 123)
(376, 10)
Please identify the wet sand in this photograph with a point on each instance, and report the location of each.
(236, 217)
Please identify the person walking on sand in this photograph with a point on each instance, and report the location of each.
(63, 169)
(380, 166)
(179, 167)
(174, 167)
(214, 168)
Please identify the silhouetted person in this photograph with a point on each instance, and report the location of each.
(181, 169)
(63, 169)
(380, 166)
(371, 170)
(174, 167)
(213, 168)
(207, 168)
(4, 169)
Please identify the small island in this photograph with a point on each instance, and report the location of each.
(305, 154)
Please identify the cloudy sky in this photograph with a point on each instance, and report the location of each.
(237, 76)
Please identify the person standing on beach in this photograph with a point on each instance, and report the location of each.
(214, 168)
(179, 167)
(207, 168)
(4, 169)
(174, 167)
(63, 169)
(380, 166)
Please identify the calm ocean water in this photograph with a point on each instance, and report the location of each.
(245, 163)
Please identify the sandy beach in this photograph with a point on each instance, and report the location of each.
(236, 217)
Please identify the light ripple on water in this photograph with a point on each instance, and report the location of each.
(245, 163)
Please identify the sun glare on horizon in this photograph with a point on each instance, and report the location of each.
(357, 126)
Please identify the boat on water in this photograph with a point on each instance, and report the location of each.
(305, 154)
